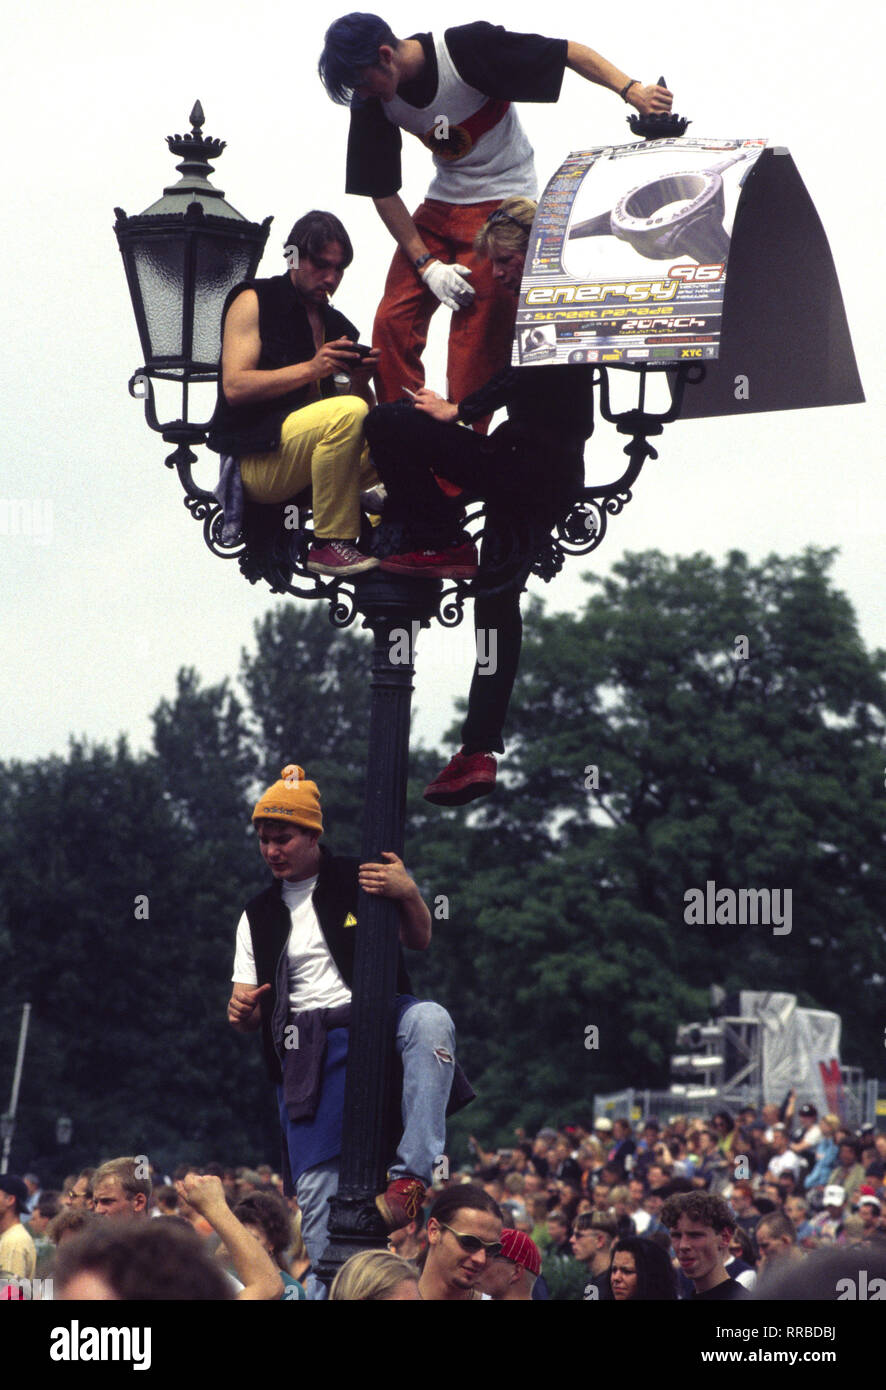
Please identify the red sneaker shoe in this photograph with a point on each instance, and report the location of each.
(458, 562)
(401, 1203)
(463, 779)
(338, 558)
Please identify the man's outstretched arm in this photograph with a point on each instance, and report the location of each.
(593, 67)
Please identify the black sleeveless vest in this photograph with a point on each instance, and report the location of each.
(286, 340)
(334, 898)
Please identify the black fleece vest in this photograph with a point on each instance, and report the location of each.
(286, 340)
(334, 898)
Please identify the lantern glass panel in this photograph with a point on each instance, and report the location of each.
(220, 265)
(160, 267)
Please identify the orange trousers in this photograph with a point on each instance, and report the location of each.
(479, 336)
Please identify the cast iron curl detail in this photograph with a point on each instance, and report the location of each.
(518, 544)
(450, 605)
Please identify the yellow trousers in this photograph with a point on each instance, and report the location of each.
(321, 447)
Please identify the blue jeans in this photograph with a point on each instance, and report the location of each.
(426, 1044)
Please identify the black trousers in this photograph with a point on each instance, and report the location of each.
(515, 475)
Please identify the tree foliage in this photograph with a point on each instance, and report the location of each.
(650, 751)
(762, 771)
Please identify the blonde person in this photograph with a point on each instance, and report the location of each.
(375, 1276)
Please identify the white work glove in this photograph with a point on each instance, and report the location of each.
(448, 283)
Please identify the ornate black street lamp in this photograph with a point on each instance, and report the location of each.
(182, 256)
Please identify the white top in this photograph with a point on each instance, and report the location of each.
(498, 164)
(811, 1138)
(782, 1163)
(314, 979)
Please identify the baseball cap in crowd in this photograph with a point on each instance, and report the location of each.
(834, 1195)
(604, 1124)
(14, 1187)
(809, 1110)
(869, 1200)
(519, 1247)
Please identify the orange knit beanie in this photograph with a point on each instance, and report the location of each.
(293, 799)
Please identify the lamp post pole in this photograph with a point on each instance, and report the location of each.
(394, 609)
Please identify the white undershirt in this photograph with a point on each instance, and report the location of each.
(314, 979)
(781, 1163)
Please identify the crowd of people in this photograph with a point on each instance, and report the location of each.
(780, 1203)
(692, 1209)
(782, 1190)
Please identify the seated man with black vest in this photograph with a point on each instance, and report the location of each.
(292, 977)
(278, 415)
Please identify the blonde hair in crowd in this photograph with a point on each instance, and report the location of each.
(123, 1169)
(371, 1275)
(508, 232)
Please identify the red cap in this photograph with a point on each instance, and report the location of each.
(519, 1247)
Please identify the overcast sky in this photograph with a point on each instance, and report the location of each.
(114, 589)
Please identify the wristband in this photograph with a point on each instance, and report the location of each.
(627, 87)
(422, 260)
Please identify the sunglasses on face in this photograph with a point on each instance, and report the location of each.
(472, 1245)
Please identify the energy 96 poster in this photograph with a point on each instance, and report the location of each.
(629, 253)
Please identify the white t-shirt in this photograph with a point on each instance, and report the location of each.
(781, 1163)
(810, 1139)
(314, 979)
